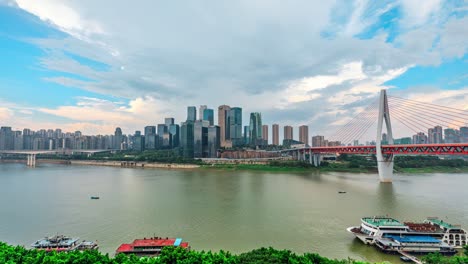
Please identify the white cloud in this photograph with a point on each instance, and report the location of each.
(417, 13)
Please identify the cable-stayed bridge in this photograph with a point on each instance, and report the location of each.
(414, 115)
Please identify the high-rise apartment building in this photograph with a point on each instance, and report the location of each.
(265, 134)
(235, 126)
(420, 138)
(255, 129)
(318, 141)
(451, 135)
(275, 134)
(138, 143)
(434, 135)
(288, 132)
(464, 134)
(6, 138)
(191, 113)
(224, 124)
(304, 134)
(201, 112)
(208, 115)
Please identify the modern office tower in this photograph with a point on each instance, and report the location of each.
(200, 139)
(138, 143)
(434, 135)
(318, 141)
(174, 133)
(451, 135)
(202, 111)
(235, 127)
(463, 134)
(246, 135)
(304, 134)
(150, 130)
(213, 141)
(255, 129)
(166, 140)
(187, 138)
(419, 138)
(208, 115)
(162, 128)
(150, 137)
(275, 134)
(117, 138)
(288, 132)
(168, 121)
(6, 138)
(224, 124)
(191, 113)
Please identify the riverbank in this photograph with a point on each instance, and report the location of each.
(265, 167)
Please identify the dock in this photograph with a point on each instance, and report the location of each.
(411, 257)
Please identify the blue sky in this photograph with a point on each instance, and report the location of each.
(87, 66)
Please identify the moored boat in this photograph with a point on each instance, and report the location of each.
(150, 247)
(63, 243)
(376, 227)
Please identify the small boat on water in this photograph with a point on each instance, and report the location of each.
(151, 247)
(94, 197)
(63, 243)
(341, 192)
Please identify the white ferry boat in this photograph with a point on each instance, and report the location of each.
(375, 227)
(63, 243)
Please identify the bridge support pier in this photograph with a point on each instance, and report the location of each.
(31, 160)
(316, 158)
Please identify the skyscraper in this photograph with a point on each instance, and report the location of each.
(200, 139)
(265, 134)
(235, 127)
(117, 139)
(255, 129)
(288, 132)
(202, 111)
(150, 137)
(275, 134)
(246, 135)
(174, 134)
(138, 143)
(213, 141)
(6, 138)
(191, 113)
(224, 124)
(186, 138)
(208, 115)
(420, 138)
(162, 129)
(304, 134)
(168, 121)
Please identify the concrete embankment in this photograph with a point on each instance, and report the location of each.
(133, 164)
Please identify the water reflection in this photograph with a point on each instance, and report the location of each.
(386, 199)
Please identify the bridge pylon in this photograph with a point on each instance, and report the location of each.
(384, 162)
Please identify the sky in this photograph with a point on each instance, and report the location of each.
(94, 65)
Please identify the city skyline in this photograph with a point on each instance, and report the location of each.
(77, 66)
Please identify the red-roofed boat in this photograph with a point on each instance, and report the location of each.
(150, 247)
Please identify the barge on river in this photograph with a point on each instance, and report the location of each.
(151, 247)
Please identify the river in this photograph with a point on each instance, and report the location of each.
(231, 210)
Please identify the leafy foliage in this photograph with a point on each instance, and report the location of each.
(170, 255)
